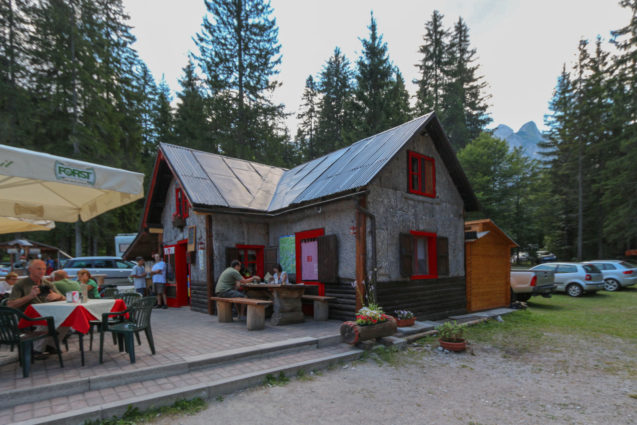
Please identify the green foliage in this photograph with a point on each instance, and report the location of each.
(449, 83)
(451, 331)
(135, 416)
(278, 381)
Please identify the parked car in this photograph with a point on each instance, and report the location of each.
(116, 269)
(574, 278)
(528, 283)
(545, 256)
(617, 274)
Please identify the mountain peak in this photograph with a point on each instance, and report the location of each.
(527, 137)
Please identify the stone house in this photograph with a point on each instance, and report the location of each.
(386, 212)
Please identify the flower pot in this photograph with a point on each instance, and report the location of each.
(453, 346)
(403, 323)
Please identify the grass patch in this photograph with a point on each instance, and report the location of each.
(594, 316)
(276, 381)
(135, 416)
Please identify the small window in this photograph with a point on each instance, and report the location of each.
(628, 265)
(103, 264)
(424, 264)
(607, 266)
(122, 265)
(544, 267)
(566, 268)
(589, 268)
(422, 175)
(182, 207)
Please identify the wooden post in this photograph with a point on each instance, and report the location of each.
(224, 312)
(256, 317)
(209, 264)
(361, 253)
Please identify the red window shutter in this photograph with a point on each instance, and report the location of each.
(442, 249)
(406, 245)
(327, 259)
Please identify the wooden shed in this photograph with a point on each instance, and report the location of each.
(488, 265)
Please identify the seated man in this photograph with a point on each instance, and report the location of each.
(34, 289)
(63, 284)
(230, 281)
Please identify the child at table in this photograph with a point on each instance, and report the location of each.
(84, 276)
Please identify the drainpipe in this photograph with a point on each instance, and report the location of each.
(372, 219)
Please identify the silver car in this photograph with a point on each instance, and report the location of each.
(617, 274)
(116, 270)
(575, 278)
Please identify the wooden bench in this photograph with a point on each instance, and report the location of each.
(256, 311)
(321, 309)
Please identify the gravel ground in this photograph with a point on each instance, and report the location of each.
(575, 382)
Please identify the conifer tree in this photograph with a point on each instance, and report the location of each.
(239, 55)
(399, 110)
(433, 66)
(464, 109)
(308, 124)
(191, 118)
(335, 87)
(373, 86)
(163, 120)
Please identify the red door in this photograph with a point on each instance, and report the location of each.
(307, 258)
(177, 274)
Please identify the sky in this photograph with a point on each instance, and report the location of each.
(521, 44)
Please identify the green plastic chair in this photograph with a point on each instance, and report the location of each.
(109, 293)
(10, 334)
(129, 299)
(139, 320)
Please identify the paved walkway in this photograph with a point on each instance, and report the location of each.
(178, 333)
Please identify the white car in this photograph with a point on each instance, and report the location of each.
(617, 274)
(575, 278)
(116, 269)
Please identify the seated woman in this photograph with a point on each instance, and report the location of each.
(279, 277)
(7, 284)
(84, 276)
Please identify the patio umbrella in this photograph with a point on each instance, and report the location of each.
(40, 186)
(15, 225)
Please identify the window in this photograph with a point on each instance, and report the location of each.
(251, 257)
(545, 267)
(182, 207)
(103, 264)
(122, 264)
(566, 268)
(422, 175)
(419, 257)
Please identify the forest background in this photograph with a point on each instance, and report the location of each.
(71, 84)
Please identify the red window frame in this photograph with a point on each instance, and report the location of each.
(299, 237)
(182, 207)
(419, 188)
(432, 254)
(259, 263)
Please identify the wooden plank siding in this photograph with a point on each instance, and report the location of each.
(199, 296)
(344, 306)
(429, 299)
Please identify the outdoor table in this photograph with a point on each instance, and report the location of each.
(73, 315)
(287, 304)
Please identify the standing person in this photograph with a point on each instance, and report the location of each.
(84, 276)
(158, 272)
(50, 266)
(139, 276)
(34, 289)
(280, 276)
(230, 281)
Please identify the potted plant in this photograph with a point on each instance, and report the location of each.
(451, 336)
(404, 318)
(371, 322)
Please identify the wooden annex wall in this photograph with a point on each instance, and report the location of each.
(428, 299)
(199, 296)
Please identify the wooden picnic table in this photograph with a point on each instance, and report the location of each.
(287, 305)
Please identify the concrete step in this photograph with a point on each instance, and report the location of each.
(205, 381)
(38, 393)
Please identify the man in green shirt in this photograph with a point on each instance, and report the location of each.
(63, 284)
(230, 281)
(34, 289)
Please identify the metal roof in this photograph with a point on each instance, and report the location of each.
(212, 180)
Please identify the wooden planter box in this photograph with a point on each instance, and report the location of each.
(351, 333)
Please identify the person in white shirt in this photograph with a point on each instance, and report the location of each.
(158, 272)
(280, 277)
(139, 276)
(7, 284)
